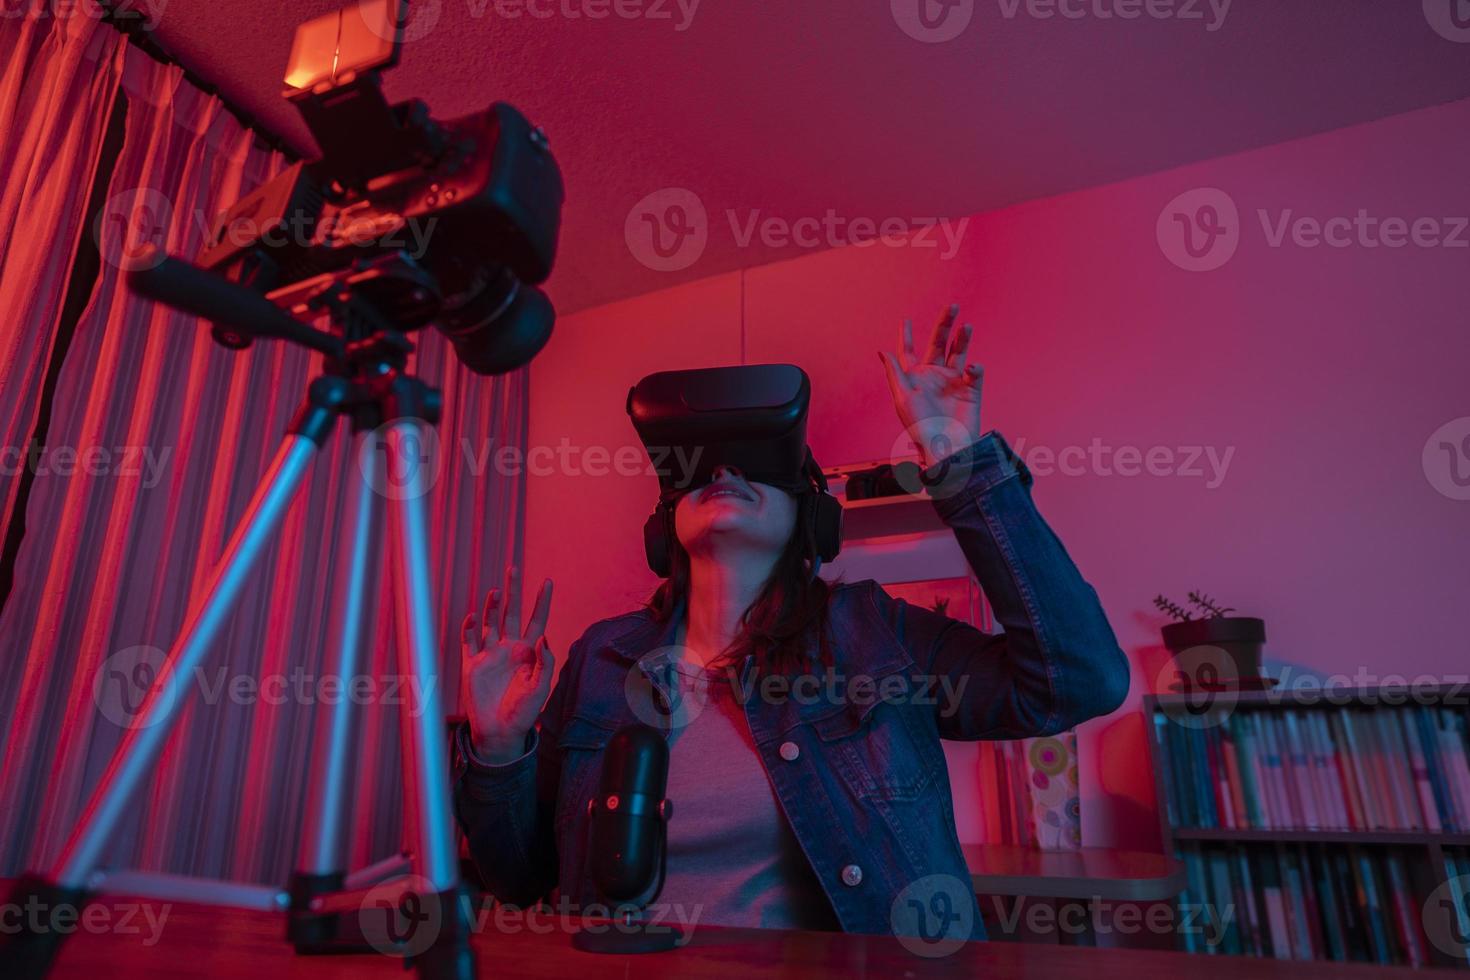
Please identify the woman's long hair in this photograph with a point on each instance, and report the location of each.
(790, 607)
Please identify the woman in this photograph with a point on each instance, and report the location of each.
(830, 810)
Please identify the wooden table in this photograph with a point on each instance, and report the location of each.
(198, 941)
(1091, 872)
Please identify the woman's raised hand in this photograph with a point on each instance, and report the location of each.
(937, 396)
(505, 672)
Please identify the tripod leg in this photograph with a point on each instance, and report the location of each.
(143, 741)
(69, 882)
(322, 866)
(425, 748)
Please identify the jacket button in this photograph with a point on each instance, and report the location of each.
(852, 875)
(790, 751)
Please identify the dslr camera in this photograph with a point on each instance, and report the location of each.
(403, 221)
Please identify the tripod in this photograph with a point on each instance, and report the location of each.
(364, 379)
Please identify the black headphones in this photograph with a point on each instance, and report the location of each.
(814, 503)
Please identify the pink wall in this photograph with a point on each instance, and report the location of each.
(1320, 371)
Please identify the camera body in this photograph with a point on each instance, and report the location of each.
(452, 224)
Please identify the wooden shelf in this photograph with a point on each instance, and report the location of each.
(1303, 835)
(1322, 697)
(898, 500)
(878, 517)
(1086, 873)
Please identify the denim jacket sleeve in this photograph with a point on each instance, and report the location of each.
(1057, 663)
(508, 812)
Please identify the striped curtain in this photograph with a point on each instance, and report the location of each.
(58, 82)
(168, 435)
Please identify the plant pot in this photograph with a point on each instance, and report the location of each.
(1217, 653)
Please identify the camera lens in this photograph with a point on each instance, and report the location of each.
(499, 326)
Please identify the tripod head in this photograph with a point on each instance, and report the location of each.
(365, 357)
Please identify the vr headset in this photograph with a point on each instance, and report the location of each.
(752, 418)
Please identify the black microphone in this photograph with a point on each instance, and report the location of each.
(628, 835)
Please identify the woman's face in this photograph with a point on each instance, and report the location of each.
(731, 514)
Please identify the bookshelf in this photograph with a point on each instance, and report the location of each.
(1322, 823)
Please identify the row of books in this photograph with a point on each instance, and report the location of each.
(1387, 768)
(1306, 902)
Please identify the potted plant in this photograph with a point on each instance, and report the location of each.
(1213, 649)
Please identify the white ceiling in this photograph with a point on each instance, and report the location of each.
(811, 107)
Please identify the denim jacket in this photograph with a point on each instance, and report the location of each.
(855, 761)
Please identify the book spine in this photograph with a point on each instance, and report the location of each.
(1428, 809)
(1327, 901)
(1400, 769)
(1301, 773)
(1326, 767)
(1281, 805)
(1424, 725)
(1274, 901)
(1347, 774)
(1453, 755)
(1453, 727)
(1358, 747)
(1301, 937)
(1249, 785)
(1161, 745)
(1405, 916)
(1229, 751)
(1373, 911)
